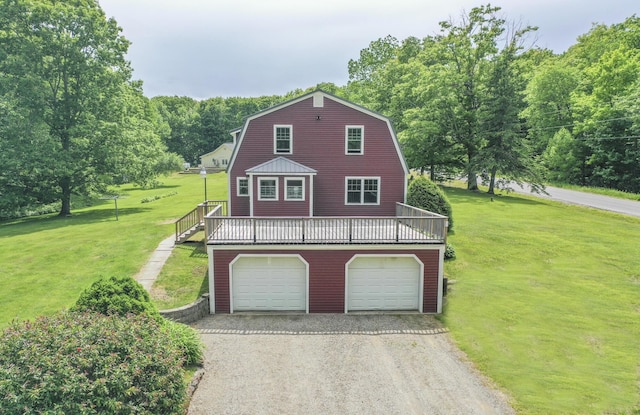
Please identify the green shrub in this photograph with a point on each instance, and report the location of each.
(424, 194)
(449, 252)
(125, 296)
(186, 340)
(116, 295)
(88, 363)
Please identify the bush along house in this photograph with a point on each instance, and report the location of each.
(316, 220)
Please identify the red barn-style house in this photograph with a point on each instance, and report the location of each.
(317, 217)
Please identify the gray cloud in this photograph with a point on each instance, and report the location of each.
(204, 48)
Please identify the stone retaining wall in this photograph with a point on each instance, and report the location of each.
(189, 313)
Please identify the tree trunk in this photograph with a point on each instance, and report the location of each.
(65, 186)
(492, 181)
(432, 173)
(472, 181)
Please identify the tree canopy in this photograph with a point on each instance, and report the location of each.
(69, 105)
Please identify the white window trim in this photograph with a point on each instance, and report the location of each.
(361, 178)
(286, 185)
(260, 180)
(346, 140)
(238, 186)
(275, 144)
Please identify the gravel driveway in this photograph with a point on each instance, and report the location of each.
(337, 364)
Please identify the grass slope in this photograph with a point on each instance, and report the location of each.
(547, 301)
(45, 262)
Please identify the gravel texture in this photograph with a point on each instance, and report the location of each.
(337, 364)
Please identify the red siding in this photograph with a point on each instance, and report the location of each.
(326, 276)
(320, 144)
(281, 207)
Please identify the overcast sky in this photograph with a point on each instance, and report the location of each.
(209, 48)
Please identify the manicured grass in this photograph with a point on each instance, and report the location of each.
(547, 301)
(45, 262)
(184, 277)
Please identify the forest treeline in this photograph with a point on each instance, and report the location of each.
(478, 98)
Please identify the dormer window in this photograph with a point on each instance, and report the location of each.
(354, 139)
(282, 139)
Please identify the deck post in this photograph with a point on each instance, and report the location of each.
(397, 229)
(253, 220)
(350, 230)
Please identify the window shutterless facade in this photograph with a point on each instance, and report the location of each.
(294, 189)
(282, 139)
(268, 187)
(362, 191)
(354, 139)
(242, 186)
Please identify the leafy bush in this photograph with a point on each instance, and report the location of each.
(125, 296)
(116, 295)
(153, 198)
(449, 252)
(87, 363)
(424, 194)
(186, 340)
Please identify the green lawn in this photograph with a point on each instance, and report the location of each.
(184, 277)
(547, 301)
(45, 262)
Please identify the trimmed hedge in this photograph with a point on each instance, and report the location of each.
(88, 363)
(116, 295)
(424, 194)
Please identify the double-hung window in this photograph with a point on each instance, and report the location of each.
(282, 139)
(268, 188)
(354, 139)
(362, 191)
(243, 186)
(294, 189)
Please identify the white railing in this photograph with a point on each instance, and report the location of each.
(412, 225)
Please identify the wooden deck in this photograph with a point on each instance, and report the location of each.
(410, 226)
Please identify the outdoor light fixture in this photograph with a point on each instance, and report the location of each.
(203, 174)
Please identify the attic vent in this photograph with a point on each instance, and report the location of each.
(318, 100)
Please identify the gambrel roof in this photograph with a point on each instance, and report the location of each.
(318, 98)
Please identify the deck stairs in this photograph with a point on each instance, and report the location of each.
(184, 236)
(193, 222)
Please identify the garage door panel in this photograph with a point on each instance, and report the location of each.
(383, 283)
(269, 284)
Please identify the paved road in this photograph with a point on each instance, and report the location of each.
(626, 207)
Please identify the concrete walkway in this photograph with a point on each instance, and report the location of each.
(150, 271)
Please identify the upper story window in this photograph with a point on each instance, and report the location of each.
(354, 139)
(362, 191)
(282, 139)
(243, 186)
(268, 188)
(295, 189)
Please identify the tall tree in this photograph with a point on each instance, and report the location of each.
(467, 47)
(63, 64)
(506, 150)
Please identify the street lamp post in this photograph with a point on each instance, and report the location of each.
(203, 174)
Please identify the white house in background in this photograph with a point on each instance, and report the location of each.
(218, 158)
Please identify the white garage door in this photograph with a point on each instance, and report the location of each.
(383, 283)
(263, 283)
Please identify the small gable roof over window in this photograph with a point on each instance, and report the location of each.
(281, 165)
